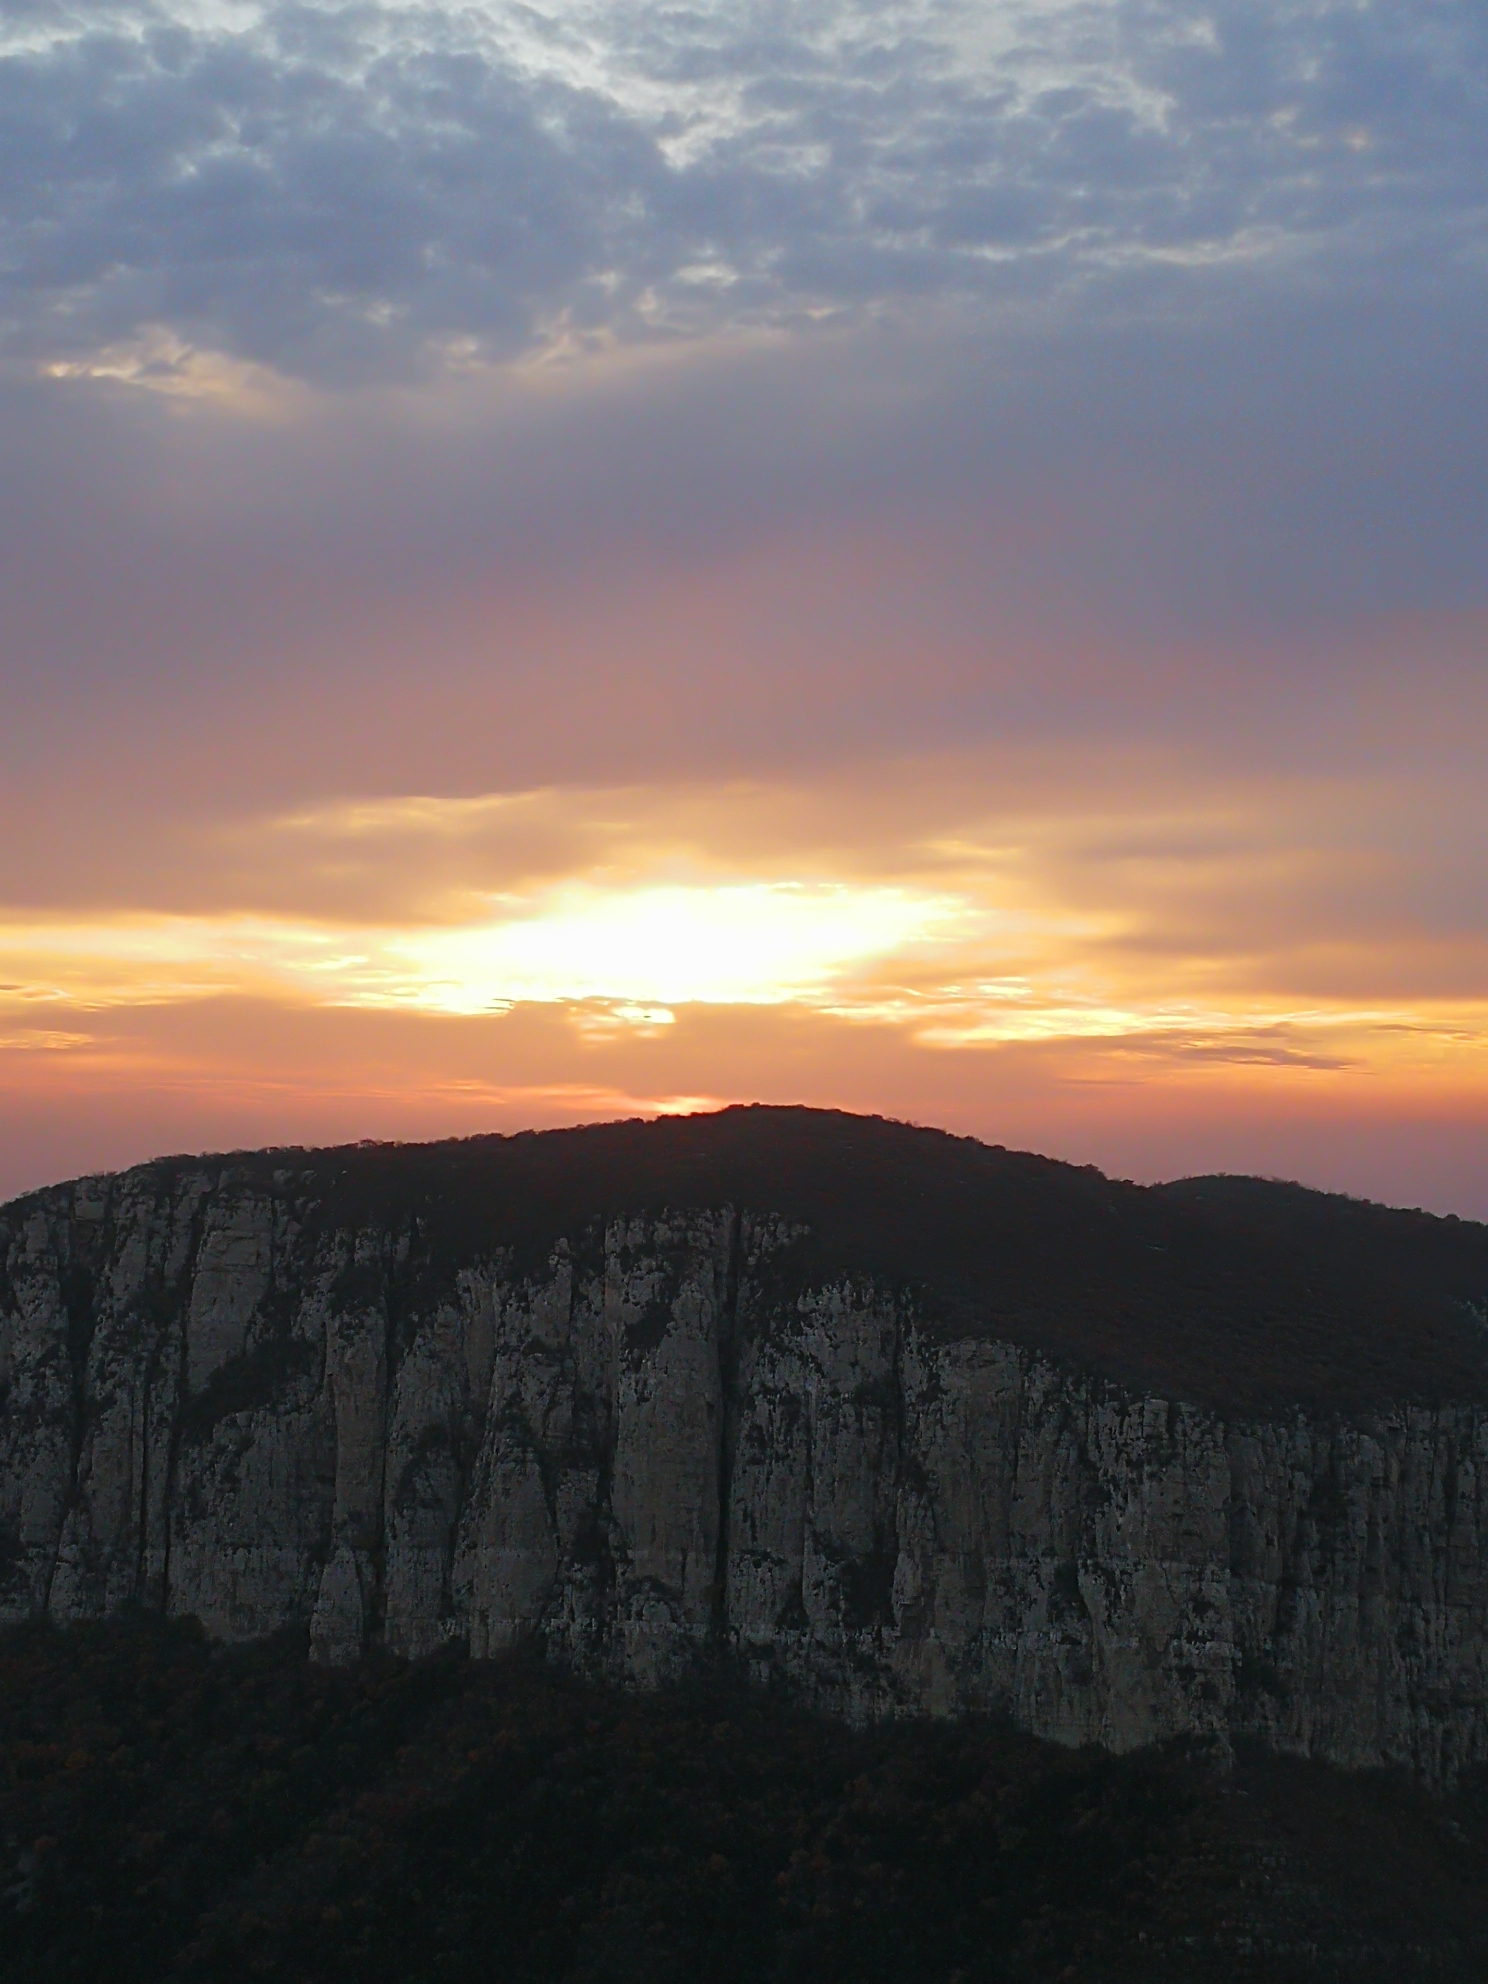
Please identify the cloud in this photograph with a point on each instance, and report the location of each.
(344, 193)
(504, 466)
(1265, 922)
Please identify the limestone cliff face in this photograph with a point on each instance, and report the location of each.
(646, 1453)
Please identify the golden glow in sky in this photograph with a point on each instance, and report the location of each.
(1093, 935)
(928, 560)
(742, 944)
(646, 948)
(1041, 973)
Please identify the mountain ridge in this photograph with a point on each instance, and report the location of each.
(1268, 1293)
(897, 1422)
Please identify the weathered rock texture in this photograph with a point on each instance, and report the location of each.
(654, 1450)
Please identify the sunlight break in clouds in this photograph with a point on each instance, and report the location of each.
(1000, 954)
(751, 944)
(645, 948)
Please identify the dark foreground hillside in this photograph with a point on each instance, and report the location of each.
(1234, 1292)
(173, 1810)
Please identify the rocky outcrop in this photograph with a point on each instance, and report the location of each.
(654, 1449)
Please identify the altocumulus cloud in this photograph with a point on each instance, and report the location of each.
(355, 192)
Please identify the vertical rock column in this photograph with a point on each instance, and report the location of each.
(666, 1295)
(356, 1375)
(250, 1493)
(437, 1406)
(507, 1550)
(114, 1546)
(813, 1532)
(37, 1429)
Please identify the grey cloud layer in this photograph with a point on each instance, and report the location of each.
(362, 191)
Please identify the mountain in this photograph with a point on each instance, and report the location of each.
(895, 1420)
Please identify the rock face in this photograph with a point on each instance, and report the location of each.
(644, 1454)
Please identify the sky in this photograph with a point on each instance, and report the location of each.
(597, 558)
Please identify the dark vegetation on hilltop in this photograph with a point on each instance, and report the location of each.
(1236, 1292)
(169, 1809)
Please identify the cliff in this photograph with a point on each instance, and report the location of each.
(573, 1394)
